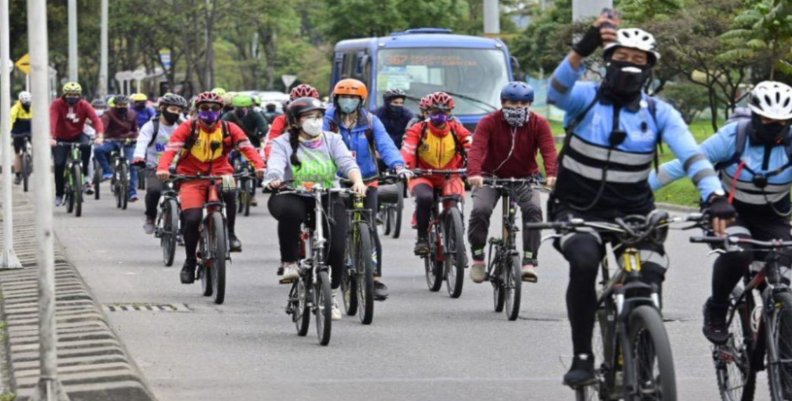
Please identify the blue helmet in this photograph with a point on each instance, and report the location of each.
(517, 91)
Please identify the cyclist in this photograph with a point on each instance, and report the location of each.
(270, 112)
(505, 145)
(280, 123)
(307, 154)
(394, 115)
(754, 157)
(423, 112)
(440, 142)
(120, 123)
(20, 130)
(365, 136)
(100, 106)
(144, 112)
(613, 131)
(243, 115)
(154, 136)
(228, 100)
(68, 115)
(193, 141)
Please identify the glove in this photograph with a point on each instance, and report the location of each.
(590, 41)
(405, 173)
(720, 207)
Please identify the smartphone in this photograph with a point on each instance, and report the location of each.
(611, 14)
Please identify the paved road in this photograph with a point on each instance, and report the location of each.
(421, 346)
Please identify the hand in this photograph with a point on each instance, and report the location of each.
(601, 32)
(608, 25)
(260, 173)
(404, 173)
(550, 182)
(53, 142)
(274, 184)
(163, 175)
(99, 140)
(475, 181)
(360, 188)
(722, 214)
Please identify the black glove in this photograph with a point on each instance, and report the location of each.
(721, 208)
(589, 43)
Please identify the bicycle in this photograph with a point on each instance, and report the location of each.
(120, 181)
(246, 184)
(97, 178)
(504, 267)
(73, 178)
(311, 292)
(168, 223)
(760, 326)
(631, 341)
(390, 210)
(357, 278)
(446, 259)
(27, 163)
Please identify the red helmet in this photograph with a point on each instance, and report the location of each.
(441, 100)
(303, 90)
(424, 104)
(208, 97)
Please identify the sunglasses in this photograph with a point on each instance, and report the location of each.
(207, 107)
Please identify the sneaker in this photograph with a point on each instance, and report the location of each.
(289, 274)
(380, 291)
(17, 179)
(148, 226)
(336, 311)
(236, 244)
(715, 328)
(529, 273)
(58, 201)
(421, 247)
(253, 202)
(106, 177)
(187, 274)
(88, 188)
(478, 271)
(179, 240)
(581, 372)
(133, 198)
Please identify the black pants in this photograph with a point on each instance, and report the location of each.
(153, 192)
(424, 197)
(584, 252)
(291, 211)
(191, 222)
(730, 267)
(484, 201)
(61, 153)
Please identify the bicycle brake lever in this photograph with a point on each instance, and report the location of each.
(716, 251)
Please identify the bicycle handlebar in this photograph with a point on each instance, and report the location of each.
(420, 171)
(74, 144)
(631, 230)
(737, 240)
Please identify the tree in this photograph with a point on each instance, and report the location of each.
(763, 31)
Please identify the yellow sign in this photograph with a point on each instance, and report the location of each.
(24, 64)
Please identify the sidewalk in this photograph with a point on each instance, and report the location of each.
(92, 362)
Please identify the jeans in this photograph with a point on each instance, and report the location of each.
(101, 153)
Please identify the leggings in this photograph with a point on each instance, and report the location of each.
(191, 222)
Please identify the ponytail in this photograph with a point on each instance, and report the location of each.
(294, 141)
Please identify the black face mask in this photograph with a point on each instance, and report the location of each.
(768, 134)
(72, 100)
(121, 111)
(171, 118)
(26, 106)
(624, 80)
(240, 112)
(395, 111)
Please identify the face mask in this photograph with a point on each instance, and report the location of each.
(72, 100)
(26, 106)
(438, 119)
(240, 112)
(769, 134)
(624, 80)
(348, 105)
(516, 117)
(121, 111)
(313, 126)
(171, 118)
(208, 117)
(140, 106)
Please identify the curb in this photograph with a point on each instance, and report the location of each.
(93, 364)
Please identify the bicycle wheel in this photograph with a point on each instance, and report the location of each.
(241, 196)
(27, 168)
(652, 361)
(512, 286)
(454, 253)
(218, 242)
(496, 278)
(733, 371)
(123, 185)
(397, 210)
(301, 315)
(97, 178)
(323, 302)
(169, 228)
(68, 189)
(779, 347)
(349, 286)
(385, 211)
(248, 189)
(77, 184)
(203, 264)
(364, 267)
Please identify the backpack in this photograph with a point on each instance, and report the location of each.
(457, 143)
(743, 132)
(190, 142)
(369, 133)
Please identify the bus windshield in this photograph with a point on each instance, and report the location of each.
(473, 77)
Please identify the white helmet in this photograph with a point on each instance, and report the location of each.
(634, 38)
(24, 97)
(772, 99)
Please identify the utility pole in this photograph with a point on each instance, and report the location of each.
(9, 260)
(73, 64)
(491, 17)
(103, 50)
(49, 387)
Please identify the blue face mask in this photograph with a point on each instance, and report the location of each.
(348, 105)
(209, 117)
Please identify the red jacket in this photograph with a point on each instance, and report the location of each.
(199, 158)
(492, 143)
(279, 125)
(437, 150)
(68, 122)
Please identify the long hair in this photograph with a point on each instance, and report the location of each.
(294, 141)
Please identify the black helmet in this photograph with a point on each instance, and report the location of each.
(300, 106)
(120, 99)
(170, 99)
(391, 94)
(99, 104)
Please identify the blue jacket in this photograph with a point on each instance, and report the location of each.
(143, 116)
(358, 143)
(588, 155)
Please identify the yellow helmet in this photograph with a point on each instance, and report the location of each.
(72, 88)
(138, 97)
(219, 91)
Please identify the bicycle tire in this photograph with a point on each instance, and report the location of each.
(397, 211)
(124, 190)
(97, 178)
(349, 289)
(301, 315)
(77, 193)
(498, 298)
(365, 275)
(779, 347)
(170, 226)
(650, 347)
(203, 268)
(387, 215)
(249, 191)
(27, 168)
(512, 280)
(454, 267)
(219, 243)
(734, 373)
(323, 304)
(240, 196)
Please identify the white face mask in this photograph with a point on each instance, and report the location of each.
(313, 126)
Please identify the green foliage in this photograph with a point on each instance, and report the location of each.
(689, 99)
(545, 42)
(763, 31)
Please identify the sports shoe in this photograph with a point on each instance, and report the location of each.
(17, 179)
(236, 244)
(289, 274)
(335, 312)
(529, 273)
(253, 201)
(148, 226)
(715, 328)
(133, 198)
(187, 274)
(58, 201)
(380, 290)
(88, 188)
(421, 247)
(581, 372)
(478, 271)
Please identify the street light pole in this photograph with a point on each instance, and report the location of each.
(491, 17)
(49, 387)
(9, 260)
(73, 64)
(103, 50)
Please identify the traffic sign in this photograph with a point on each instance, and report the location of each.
(165, 58)
(24, 64)
(288, 80)
(138, 74)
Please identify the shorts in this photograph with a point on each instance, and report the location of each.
(193, 194)
(450, 186)
(19, 142)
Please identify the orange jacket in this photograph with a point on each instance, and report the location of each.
(428, 147)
